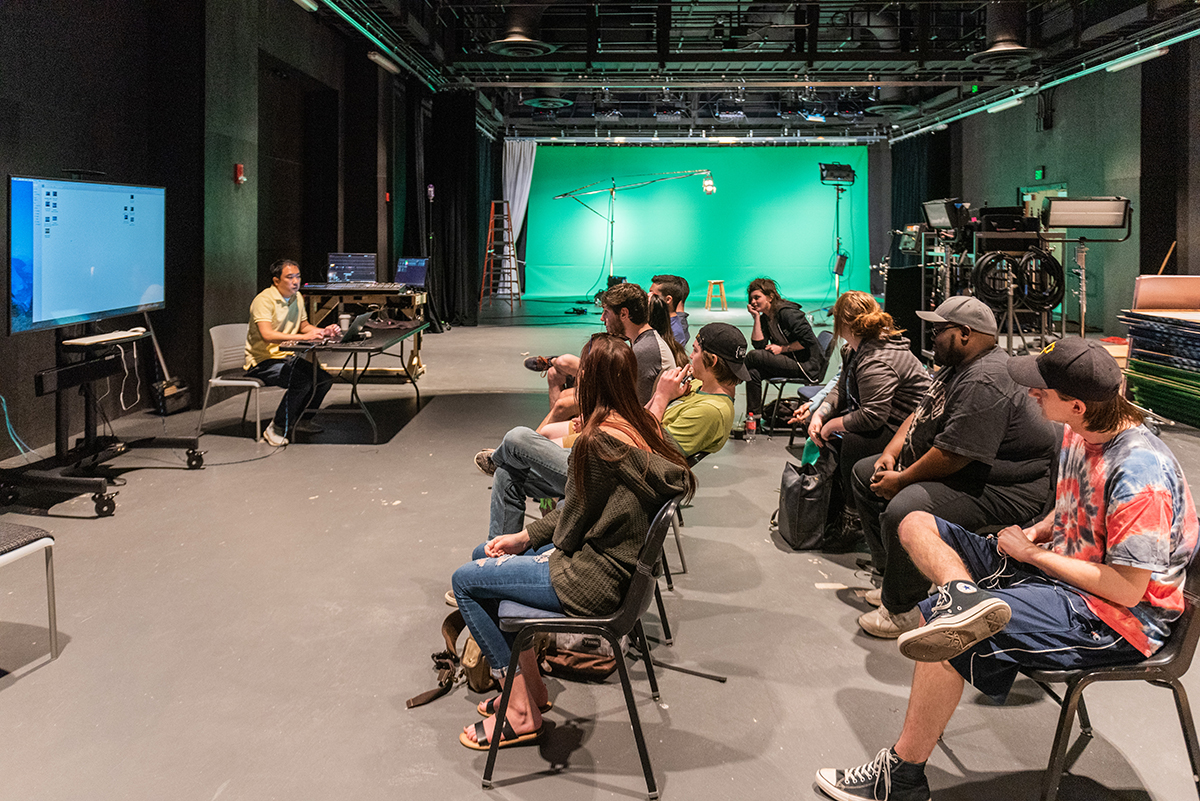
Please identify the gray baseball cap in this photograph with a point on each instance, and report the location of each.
(963, 310)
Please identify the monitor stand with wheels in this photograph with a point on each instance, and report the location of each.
(78, 470)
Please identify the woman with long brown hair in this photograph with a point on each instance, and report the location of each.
(579, 558)
(784, 343)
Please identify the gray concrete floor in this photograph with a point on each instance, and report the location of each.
(252, 630)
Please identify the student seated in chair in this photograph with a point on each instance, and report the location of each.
(627, 315)
(277, 315)
(1097, 582)
(674, 290)
(696, 414)
(975, 452)
(578, 559)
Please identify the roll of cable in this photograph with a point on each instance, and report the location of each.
(990, 279)
(960, 276)
(1044, 282)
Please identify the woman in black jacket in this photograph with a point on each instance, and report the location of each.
(784, 343)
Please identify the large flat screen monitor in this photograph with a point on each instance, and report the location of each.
(80, 251)
(351, 267)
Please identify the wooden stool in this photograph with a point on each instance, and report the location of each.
(17, 541)
(720, 287)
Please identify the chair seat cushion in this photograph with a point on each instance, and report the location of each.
(14, 536)
(511, 610)
(238, 374)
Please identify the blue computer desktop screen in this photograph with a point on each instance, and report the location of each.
(82, 251)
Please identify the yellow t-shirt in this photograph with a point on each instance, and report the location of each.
(285, 316)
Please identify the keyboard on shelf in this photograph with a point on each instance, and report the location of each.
(355, 286)
(100, 339)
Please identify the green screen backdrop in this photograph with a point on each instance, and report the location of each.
(769, 216)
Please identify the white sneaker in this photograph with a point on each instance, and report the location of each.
(272, 438)
(874, 597)
(882, 623)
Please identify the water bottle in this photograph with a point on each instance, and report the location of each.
(751, 427)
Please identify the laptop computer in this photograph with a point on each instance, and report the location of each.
(411, 273)
(352, 334)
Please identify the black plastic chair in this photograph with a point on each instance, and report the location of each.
(825, 341)
(1164, 669)
(528, 621)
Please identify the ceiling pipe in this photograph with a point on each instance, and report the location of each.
(1007, 31)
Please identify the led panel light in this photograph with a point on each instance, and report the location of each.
(1006, 105)
(837, 174)
(1136, 58)
(1085, 212)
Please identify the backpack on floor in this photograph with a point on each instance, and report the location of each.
(472, 667)
(808, 508)
(577, 657)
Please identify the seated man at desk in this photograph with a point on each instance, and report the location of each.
(277, 315)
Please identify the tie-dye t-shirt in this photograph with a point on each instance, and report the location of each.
(1126, 502)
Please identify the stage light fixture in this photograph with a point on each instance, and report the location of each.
(384, 61)
(709, 187)
(307, 5)
(1136, 58)
(1085, 212)
(837, 174)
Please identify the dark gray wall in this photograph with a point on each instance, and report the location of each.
(1094, 146)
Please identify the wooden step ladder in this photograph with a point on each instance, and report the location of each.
(500, 279)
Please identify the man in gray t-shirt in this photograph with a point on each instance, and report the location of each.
(976, 452)
(627, 314)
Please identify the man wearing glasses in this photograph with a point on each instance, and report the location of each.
(976, 452)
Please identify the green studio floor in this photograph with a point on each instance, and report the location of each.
(251, 631)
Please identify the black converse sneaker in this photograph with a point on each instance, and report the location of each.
(885, 778)
(962, 616)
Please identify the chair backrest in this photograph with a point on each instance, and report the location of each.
(229, 347)
(825, 342)
(1181, 645)
(641, 588)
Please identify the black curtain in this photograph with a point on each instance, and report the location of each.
(453, 165)
(920, 172)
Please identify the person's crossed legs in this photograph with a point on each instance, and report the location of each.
(527, 466)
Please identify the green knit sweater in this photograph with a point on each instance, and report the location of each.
(599, 529)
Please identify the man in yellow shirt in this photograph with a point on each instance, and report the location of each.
(277, 315)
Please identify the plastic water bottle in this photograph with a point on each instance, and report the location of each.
(751, 427)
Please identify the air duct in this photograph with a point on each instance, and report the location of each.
(521, 23)
(1006, 33)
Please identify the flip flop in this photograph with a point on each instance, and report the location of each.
(508, 738)
(490, 706)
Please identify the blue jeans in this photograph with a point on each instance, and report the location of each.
(296, 376)
(481, 584)
(527, 466)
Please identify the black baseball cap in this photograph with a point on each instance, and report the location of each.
(727, 344)
(1080, 368)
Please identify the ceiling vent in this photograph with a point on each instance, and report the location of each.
(521, 34)
(1006, 30)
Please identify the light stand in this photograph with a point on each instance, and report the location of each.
(613, 187)
(839, 176)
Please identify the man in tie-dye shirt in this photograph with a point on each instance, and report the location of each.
(1098, 582)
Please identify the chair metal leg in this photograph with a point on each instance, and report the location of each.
(1188, 724)
(245, 409)
(775, 412)
(1062, 739)
(502, 712)
(54, 616)
(1085, 722)
(203, 408)
(666, 572)
(635, 721)
(257, 414)
(662, 617)
(675, 521)
(643, 645)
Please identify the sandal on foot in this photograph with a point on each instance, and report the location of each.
(490, 706)
(509, 737)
